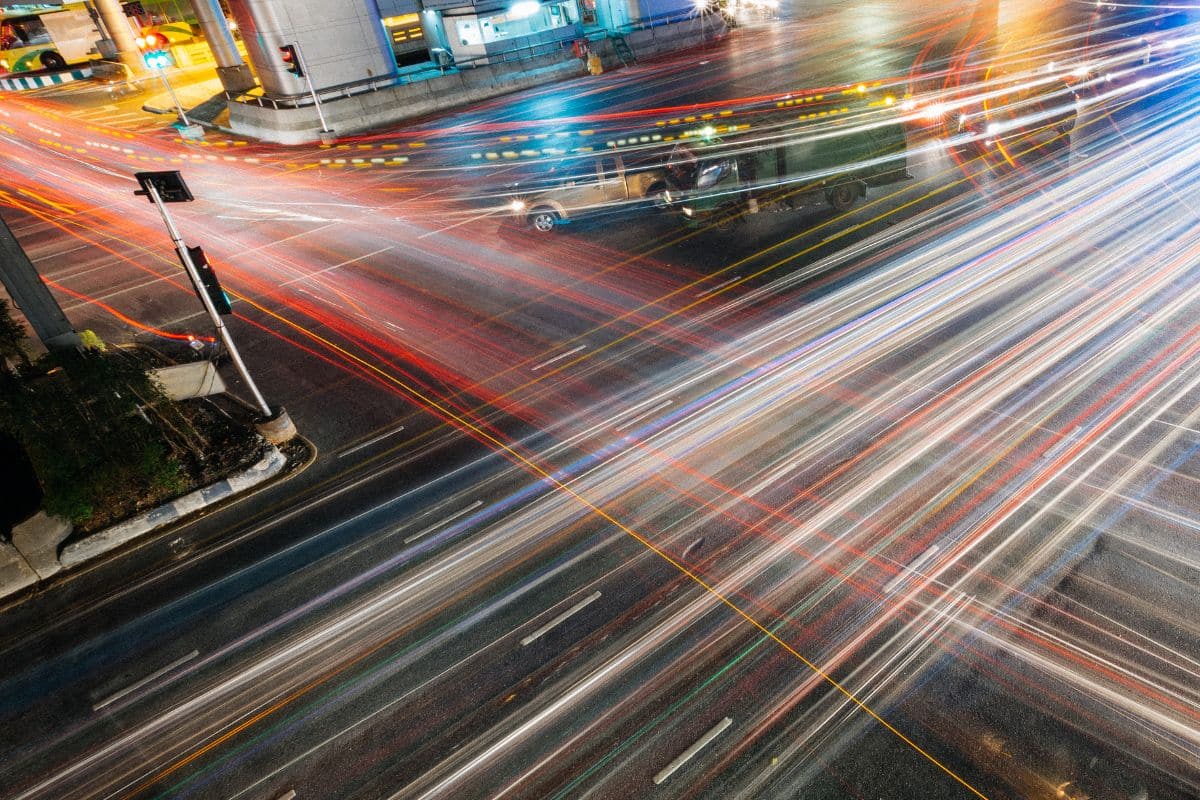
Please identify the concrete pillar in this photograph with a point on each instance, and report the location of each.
(116, 25)
(234, 73)
(30, 294)
(340, 42)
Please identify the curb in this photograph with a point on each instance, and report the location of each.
(39, 81)
(110, 538)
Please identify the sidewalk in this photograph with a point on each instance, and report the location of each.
(197, 89)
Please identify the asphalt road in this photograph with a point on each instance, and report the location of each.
(637, 510)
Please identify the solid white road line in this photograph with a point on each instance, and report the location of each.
(1162, 421)
(149, 678)
(560, 357)
(467, 221)
(370, 442)
(719, 286)
(346, 263)
(686, 755)
(693, 546)
(443, 522)
(49, 256)
(533, 637)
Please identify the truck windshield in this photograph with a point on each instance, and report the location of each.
(681, 166)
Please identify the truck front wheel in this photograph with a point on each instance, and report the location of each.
(543, 220)
(657, 194)
(842, 196)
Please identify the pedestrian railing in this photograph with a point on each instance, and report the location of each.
(367, 85)
(561, 45)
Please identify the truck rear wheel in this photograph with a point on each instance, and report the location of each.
(543, 219)
(52, 60)
(842, 196)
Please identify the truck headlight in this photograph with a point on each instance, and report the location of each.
(517, 206)
(687, 212)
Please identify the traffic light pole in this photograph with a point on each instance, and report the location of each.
(311, 89)
(174, 99)
(194, 276)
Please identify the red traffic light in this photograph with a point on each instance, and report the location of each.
(291, 59)
(150, 42)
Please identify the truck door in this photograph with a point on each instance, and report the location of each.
(611, 173)
(888, 143)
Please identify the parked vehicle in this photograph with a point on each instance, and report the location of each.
(580, 187)
(1021, 107)
(718, 181)
(46, 37)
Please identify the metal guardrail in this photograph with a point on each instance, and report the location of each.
(326, 93)
(364, 86)
(525, 53)
(646, 23)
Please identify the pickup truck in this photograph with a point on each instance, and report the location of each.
(585, 186)
(718, 182)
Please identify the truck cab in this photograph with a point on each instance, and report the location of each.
(580, 187)
(719, 181)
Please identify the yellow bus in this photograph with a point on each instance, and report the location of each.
(46, 37)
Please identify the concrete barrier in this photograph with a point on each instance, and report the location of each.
(369, 110)
(421, 97)
(17, 83)
(686, 35)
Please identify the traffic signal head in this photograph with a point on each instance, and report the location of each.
(291, 59)
(208, 278)
(155, 50)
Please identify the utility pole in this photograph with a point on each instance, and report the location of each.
(29, 293)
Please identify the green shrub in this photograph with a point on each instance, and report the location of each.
(99, 432)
